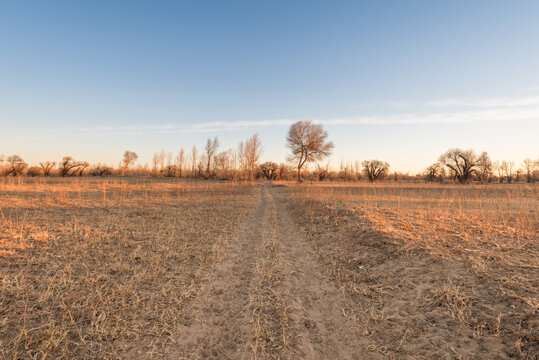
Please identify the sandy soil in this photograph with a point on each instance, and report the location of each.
(269, 298)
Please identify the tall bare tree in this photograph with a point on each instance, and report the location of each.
(194, 161)
(461, 163)
(249, 154)
(507, 170)
(210, 150)
(375, 169)
(16, 165)
(180, 161)
(485, 167)
(129, 159)
(529, 167)
(307, 143)
(47, 167)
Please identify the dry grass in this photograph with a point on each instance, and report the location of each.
(471, 250)
(90, 268)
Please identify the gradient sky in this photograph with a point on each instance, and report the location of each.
(400, 81)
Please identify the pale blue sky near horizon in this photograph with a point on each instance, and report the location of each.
(400, 81)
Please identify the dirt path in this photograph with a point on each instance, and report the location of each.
(269, 299)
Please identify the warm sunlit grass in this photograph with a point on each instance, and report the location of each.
(103, 268)
(381, 243)
(491, 218)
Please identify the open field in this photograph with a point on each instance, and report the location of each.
(440, 271)
(168, 269)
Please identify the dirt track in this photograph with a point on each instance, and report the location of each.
(268, 298)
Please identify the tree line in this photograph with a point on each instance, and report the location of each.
(307, 143)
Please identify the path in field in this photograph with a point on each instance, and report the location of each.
(268, 298)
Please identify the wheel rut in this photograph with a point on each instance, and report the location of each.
(268, 298)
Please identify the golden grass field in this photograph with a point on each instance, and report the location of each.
(153, 268)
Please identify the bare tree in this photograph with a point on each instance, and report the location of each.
(209, 152)
(375, 169)
(529, 167)
(484, 165)
(81, 167)
(346, 171)
(101, 170)
(283, 171)
(33, 171)
(307, 143)
(16, 165)
(47, 167)
(180, 161)
(68, 166)
(249, 154)
(507, 169)
(129, 159)
(321, 171)
(223, 165)
(461, 163)
(170, 169)
(194, 160)
(269, 170)
(434, 172)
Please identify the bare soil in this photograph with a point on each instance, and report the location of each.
(269, 299)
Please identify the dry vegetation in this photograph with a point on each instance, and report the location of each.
(437, 271)
(140, 268)
(89, 268)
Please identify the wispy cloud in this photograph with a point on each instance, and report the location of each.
(451, 111)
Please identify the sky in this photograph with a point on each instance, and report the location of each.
(400, 81)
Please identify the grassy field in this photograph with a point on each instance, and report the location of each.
(402, 252)
(91, 267)
(134, 267)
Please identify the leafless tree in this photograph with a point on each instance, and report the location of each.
(321, 171)
(434, 172)
(33, 171)
(129, 159)
(269, 170)
(499, 169)
(158, 163)
(210, 150)
(68, 166)
(222, 165)
(529, 167)
(485, 167)
(346, 171)
(194, 160)
(16, 165)
(180, 161)
(170, 168)
(47, 167)
(82, 166)
(375, 169)
(100, 170)
(507, 169)
(283, 171)
(461, 163)
(249, 154)
(307, 142)
(2, 159)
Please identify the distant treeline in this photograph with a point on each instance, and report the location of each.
(307, 143)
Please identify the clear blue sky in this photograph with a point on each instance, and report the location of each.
(400, 81)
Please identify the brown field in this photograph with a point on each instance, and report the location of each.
(141, 268)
